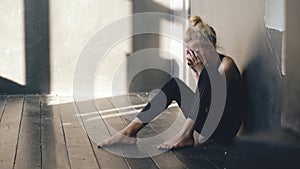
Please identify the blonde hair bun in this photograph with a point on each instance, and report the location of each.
(195, 20)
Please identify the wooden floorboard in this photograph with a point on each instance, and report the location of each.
(216, 155)
(29, 146)
(228, 147)
(79, 147)
(2, 105)
(98, 131)
(118, 123)
(174, 119)
(49, 132)
(9, 127)
(54, 148)
(164, 159)
(166, 130)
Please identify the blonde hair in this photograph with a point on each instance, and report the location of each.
(198, 30)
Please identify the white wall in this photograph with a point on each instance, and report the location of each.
(73, 23)
(65, 27)
(275, 14)
(237, 24)
(12, 56)
(291, 115)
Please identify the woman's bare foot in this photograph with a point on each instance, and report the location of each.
(185, 138)
(118, 138)
(125, 136)
(178, 141)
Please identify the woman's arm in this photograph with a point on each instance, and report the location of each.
(195, 65)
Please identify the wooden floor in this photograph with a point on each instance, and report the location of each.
(44, 132)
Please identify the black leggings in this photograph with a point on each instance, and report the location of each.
(194, 105)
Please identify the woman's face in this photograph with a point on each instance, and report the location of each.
(195, 49)
(205, 51)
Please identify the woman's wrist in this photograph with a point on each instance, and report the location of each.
(198, 68)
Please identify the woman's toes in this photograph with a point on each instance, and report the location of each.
(170, 147)
(106, 143)
(99, 145)
(160, 146)
(164, 146)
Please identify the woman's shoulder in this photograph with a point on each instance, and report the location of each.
(229, 66)
(227, 61)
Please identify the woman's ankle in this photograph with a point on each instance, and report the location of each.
(186, 134)
(132, 129)
(128, 133)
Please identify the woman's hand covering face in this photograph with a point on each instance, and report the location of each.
(194, 61)
(202, 52)
(193, 58)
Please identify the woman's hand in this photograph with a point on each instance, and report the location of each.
(194, 62)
